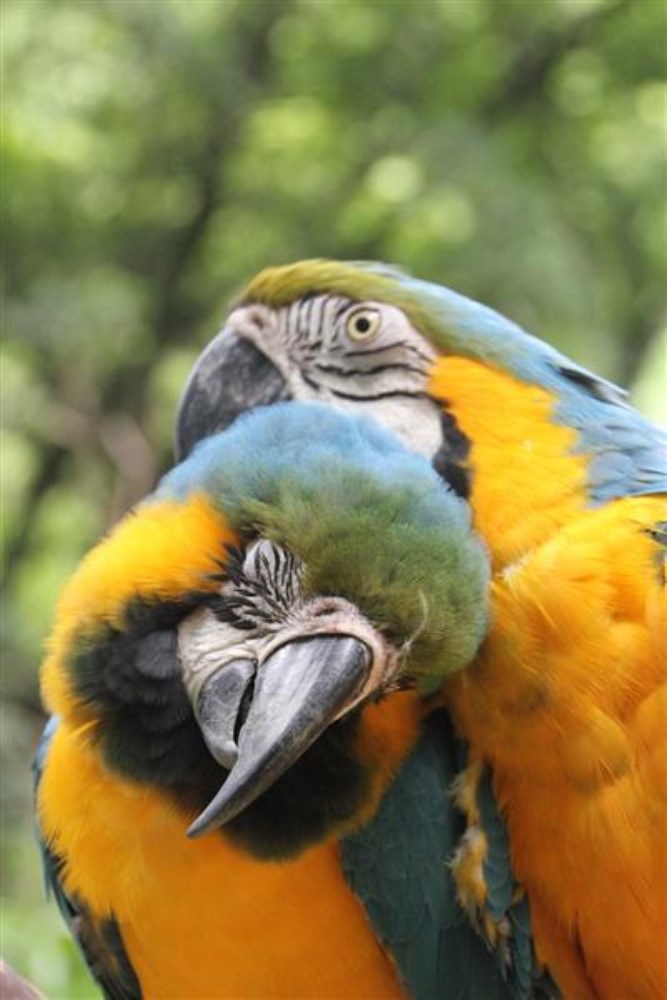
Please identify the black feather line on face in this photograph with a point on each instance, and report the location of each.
(242, 612)
(261, 595)
(366, 397)
(346, 352)
(230, 566)
(367, 372)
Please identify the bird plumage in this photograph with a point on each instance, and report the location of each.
(564, 703)
(566, 484)
(126, 768)
(503, 410)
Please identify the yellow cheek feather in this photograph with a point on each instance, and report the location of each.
(527, 481)
(161, 552)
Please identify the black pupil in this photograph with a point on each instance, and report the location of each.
(363, 324)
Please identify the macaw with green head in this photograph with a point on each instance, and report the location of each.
(565, 703)
(245, 789)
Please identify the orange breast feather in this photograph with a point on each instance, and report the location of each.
(568, 701)
(200, 918)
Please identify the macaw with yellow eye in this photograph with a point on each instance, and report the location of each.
(567, 701)
(251, 658)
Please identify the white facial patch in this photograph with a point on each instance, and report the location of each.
(206, 644)
(364, 358)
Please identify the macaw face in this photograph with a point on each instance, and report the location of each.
(361, 588)
(268, 670)
(272, 673)
(363, 357)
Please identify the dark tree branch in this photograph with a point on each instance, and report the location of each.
(638, 332)
(54, 458)
(526, 81)
(537, 58)
(173, 311)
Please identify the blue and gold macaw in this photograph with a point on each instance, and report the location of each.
(566, 700)
(252, 658)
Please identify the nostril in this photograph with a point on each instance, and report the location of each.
(325, 608)
(258, 317)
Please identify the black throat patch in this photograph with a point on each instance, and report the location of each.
(147, 732)
(325, 788)
(451, 459)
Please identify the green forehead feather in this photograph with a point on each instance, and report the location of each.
(281, 286)
(422, 579)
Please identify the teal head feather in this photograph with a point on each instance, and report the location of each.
(369, 520)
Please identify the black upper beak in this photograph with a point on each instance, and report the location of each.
(229, 377)
(298, 691)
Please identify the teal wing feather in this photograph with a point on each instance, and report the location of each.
(398, 866)
(507, 905)
(99, 941)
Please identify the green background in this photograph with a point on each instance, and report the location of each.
(156, 153)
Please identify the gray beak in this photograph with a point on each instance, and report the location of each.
(294, 695)
(229, 377)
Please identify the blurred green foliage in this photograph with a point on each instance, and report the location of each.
(156, 153)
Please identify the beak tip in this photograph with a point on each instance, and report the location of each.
(198, 827)
(219, 811)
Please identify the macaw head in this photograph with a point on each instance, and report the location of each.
(364, 337)
(356, 588)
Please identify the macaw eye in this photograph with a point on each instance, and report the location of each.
(363, 324)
